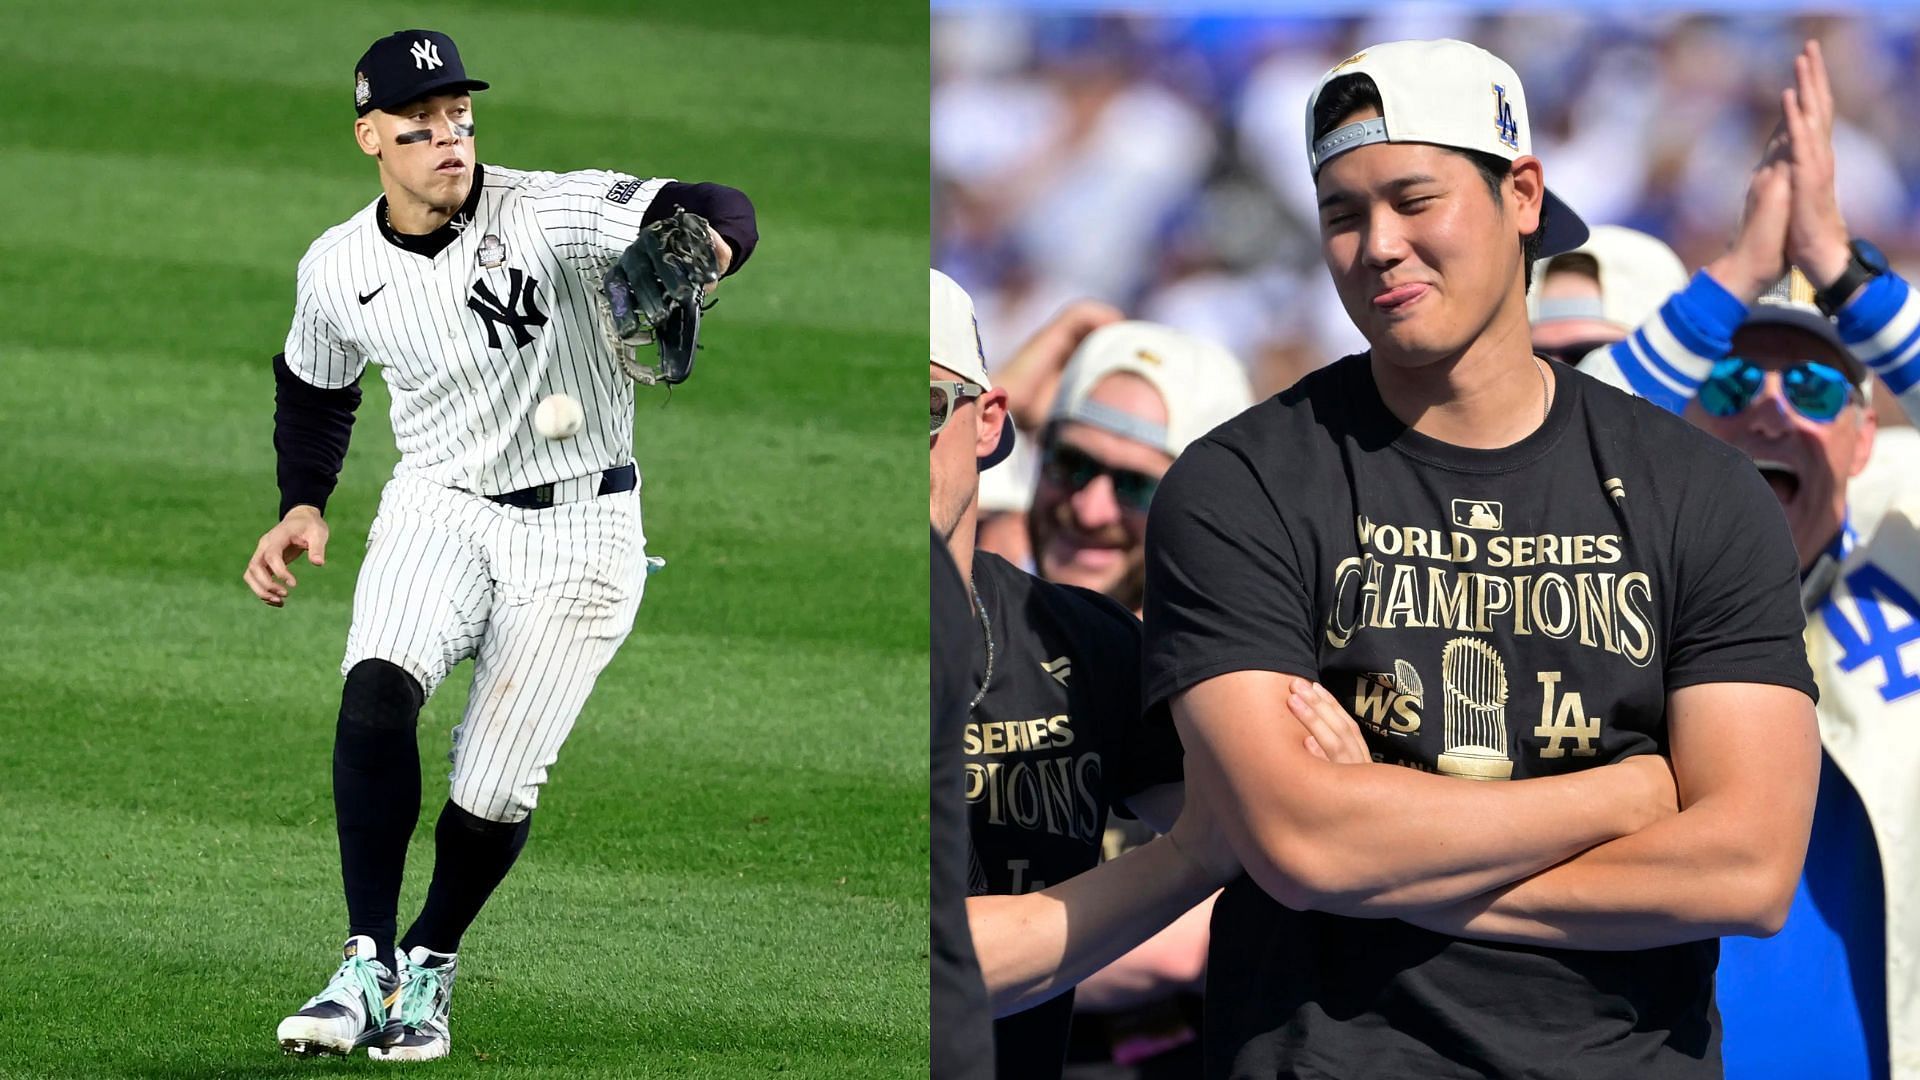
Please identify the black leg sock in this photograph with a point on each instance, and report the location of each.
(376, 794)
(471, 856)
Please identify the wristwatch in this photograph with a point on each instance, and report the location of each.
(1865, 264)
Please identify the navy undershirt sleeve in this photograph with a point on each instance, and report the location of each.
(727, 209)
(311, 428)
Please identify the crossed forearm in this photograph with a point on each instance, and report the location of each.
(1726, 864)
(1376, 840)
(1040, 945)
(1395, 841)
(1690, 877)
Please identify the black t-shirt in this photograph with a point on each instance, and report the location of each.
(962, 1043)
(1517, 613)
(1056, 740)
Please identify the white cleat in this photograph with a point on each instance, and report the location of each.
(426, 991)
(350, 1012)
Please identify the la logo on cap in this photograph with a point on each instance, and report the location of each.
(1505, 126)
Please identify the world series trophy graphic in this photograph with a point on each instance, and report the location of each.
(1474, 687)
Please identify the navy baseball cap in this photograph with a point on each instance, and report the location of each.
(1815, 326)
(407, 65)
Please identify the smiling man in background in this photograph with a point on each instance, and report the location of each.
(1133, 396)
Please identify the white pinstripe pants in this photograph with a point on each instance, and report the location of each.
(541, 599)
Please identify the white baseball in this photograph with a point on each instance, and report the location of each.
(558, 416)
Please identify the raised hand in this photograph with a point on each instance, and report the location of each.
(1757, 257)
(1817, 234)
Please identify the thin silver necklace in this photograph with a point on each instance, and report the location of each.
(986, 626)
(1546, 395)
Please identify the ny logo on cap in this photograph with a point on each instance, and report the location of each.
(1504, 125)
(426, 55)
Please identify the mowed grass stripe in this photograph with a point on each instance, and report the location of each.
(806, 708)
(673, 1003)
(734, 570)
(804, 178)
(191, 444)
(668, 74)
(797, 281)
(843, 590)
(790, 734)
(256, 216)
(778, 406)
(794, 827)
(808, 382)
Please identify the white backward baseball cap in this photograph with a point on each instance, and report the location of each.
(954, 344)
(1201, 383)
(1637, 274)
(1448, 93)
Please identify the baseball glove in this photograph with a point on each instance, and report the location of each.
(654, 296)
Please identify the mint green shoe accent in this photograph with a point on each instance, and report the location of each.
(425, 990)
(349, 1012)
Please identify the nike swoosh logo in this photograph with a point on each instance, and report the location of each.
(370, 296)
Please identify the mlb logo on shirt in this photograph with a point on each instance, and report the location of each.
(1478, 514)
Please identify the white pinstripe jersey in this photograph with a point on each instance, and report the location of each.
(470, 340)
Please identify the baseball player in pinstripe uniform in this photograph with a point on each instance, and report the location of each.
(475, 289)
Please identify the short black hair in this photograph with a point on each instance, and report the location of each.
(1350, 94)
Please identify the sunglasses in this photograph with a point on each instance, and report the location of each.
(1073, 470)
(944, 396)
(1815, 390)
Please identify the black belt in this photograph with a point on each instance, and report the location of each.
(612, 482)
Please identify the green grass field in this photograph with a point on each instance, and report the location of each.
(727, 876)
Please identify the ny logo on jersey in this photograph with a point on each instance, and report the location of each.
(518, 313)
(426, 55)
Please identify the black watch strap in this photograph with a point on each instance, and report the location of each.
(1862, 266)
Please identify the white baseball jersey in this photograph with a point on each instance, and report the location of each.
(472, 339)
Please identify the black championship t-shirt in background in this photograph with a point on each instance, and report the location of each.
(1055, 741)
(1494, 614)
(962, 1042)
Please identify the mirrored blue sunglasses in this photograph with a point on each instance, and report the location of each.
(1816, 391)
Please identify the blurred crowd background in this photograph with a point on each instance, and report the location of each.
(1159, 163)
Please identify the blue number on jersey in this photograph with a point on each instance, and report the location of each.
(1873, 594)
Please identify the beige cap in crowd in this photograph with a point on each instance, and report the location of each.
(1201, 382)
(1637, 274)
